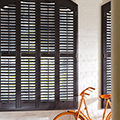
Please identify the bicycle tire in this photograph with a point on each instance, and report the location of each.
(109, 116)
(68, 116)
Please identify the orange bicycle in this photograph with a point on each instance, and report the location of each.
(79, 115)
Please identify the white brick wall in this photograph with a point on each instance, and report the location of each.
(89, 41)
(89, 49)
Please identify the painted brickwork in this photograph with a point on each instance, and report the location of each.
(90, 52)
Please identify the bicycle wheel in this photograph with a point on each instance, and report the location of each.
(68, 116)
(109, 116)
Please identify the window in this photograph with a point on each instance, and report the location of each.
(38, 63)
(106, 50)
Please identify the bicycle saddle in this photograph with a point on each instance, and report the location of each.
(105, 96)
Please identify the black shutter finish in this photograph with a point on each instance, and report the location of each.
(8, 58)
(38, 55)
(47, 48)
(27, 51)
(66, 49)
(106, 50)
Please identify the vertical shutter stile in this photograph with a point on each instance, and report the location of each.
(75, 71)
(0, 54)
(18, 69)
(37, 53)
(57, 97)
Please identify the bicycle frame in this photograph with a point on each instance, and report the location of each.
(79, 114)
(79, 109)
(88, 117)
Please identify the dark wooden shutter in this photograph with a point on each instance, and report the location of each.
(67, 54)
(7, 56)
(28, 37)
(106, 49)
(38, 54)
(66, 49)
(108, 53)
(47, 49)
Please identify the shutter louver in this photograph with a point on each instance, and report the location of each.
(47, 27)
(108, 53)
(47, 79)
(66, 54)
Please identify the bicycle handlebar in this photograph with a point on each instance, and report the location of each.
(83, 92)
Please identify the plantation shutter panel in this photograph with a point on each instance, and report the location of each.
(106, 49)
(28, 52)
(7, 56)
(38, 63)
(47, 49)
(67, 53)
(66, 48)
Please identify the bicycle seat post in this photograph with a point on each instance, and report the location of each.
(105, 109)
(107, 97)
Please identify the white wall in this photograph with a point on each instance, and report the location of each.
(90, 52)
(89, 57)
